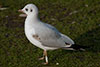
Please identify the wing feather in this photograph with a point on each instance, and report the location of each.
(51, 37)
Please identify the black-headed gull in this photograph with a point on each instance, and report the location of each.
(44, 35)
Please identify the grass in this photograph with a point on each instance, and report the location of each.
(79, 19)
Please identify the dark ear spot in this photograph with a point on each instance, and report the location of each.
(26, 9)
(31, 10)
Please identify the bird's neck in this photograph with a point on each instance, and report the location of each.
(32, 19)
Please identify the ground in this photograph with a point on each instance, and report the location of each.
(79, 19)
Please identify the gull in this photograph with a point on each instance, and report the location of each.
(43, 35)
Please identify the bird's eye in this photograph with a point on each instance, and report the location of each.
(31, 10)
(26, 9)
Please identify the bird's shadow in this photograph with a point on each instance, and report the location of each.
(90, 39)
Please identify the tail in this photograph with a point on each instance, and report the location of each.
(76, 47)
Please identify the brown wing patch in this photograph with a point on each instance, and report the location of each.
(36, 37)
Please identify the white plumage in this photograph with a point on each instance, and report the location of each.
(41, 34)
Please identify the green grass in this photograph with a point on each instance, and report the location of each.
(83, 27)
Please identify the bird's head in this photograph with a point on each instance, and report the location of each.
(29, 10)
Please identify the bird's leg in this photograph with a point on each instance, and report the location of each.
(43, 56)
(46, 58)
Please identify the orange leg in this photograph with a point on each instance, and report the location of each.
(44, 57)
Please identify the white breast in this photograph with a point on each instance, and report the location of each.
(30, 31)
